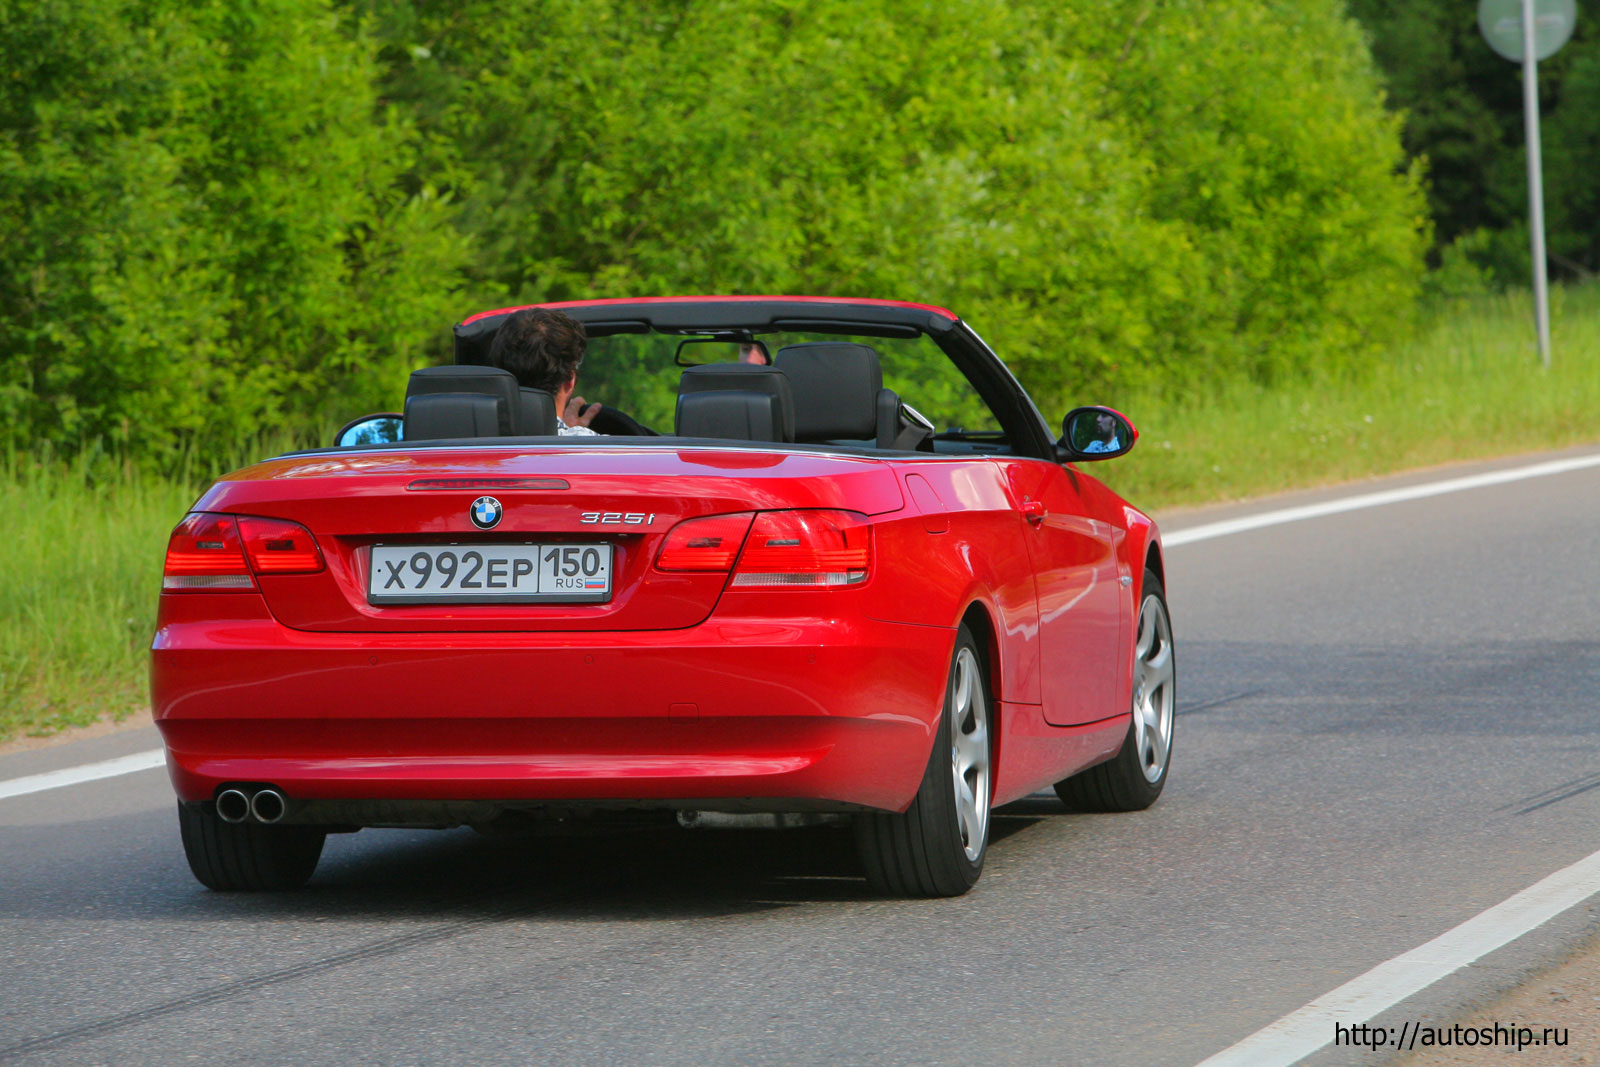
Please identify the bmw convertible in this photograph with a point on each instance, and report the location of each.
(824, 558)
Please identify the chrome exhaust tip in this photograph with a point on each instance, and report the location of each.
(233, 805)
(268, 806)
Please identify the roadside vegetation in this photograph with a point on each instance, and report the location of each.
(225, 216)
(79, 577)
(1469, 387)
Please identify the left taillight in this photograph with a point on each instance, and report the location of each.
(277, 546)
(210, 552)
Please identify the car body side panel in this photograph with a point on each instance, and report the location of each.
(1143, 534)
(1075, 541)
(973, 550)
(1034, 754)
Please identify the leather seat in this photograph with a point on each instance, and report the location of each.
(839, 395)
(737, 401)
(474, 401)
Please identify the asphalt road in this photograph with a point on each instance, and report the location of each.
(1387, 724)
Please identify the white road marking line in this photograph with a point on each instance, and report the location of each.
(1372, 500)
(88, 772)
(1302, 1032)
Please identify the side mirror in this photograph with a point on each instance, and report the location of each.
(1095, 433)
(383, 429)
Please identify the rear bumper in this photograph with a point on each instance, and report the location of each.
(745, 714)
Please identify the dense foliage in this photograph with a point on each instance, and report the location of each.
(202, 225)
(1104, 188)
(229, 213)
(1464, 105)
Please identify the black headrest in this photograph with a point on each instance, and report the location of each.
(490, 381)
(538, 414)
(442, 416)
(747, 378)
(736, 414)
(835, 386)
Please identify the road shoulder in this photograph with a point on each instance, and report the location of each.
(1565, 998)
(139, 720)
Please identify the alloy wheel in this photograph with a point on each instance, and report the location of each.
(1153, 691)
(969, 753)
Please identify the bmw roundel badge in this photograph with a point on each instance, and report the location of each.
(485, 512)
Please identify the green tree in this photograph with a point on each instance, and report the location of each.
(1114, 193)
(203, 232)
(1463, 111)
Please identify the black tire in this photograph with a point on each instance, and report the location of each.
(247, 856)
(1126, 782)
(928, 850)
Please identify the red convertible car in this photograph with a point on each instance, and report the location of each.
(851, 569)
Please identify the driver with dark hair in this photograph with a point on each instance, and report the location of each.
(544, 349)
(1105, 426)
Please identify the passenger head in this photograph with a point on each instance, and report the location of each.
(543, 348)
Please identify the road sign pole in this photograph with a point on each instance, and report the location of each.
(1530, 108)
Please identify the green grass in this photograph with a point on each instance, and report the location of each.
(84, 540)
(1469, 387)
(78, 584)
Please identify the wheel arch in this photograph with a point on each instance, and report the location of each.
(980, 623)
(1153, 562)
(1142, 550)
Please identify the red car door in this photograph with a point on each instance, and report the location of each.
(1083, 598)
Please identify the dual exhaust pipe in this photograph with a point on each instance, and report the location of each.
(264, 806)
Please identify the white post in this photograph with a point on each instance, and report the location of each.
(1530, 107)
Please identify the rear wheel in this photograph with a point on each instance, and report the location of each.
(935, 848)
(228, 856)
(1135, 776)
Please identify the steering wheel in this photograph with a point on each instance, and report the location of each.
(616, 423)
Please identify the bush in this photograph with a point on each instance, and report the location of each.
(229, 217)
(1115, 197)
(203, 229)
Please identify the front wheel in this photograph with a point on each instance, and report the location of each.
(1135, 776)
(935, 848)
(231, 856)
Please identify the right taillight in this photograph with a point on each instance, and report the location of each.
(806, 549)
(205, 553)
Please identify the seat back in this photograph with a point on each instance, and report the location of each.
(538, 413)
(444, 416)
(490, 381)
(839, 395)
(735, 414)
(758, 405)
(835, 386)
(517, 411)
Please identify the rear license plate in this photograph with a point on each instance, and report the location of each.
(490, 574)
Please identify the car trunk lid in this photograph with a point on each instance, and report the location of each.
(623, 499)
